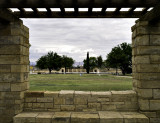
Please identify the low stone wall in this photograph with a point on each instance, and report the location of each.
(81, 101)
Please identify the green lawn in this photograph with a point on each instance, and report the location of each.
(91, 82)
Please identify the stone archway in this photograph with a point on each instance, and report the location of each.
(14, 65)
(14, 68)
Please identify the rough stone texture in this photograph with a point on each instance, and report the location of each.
(48, 105)
(145, 93)
(100, 94)
(146, 68)
(44, 100)
(155, 105)
(80, 107)
(110, 117)
(80, 100)
(83, 93)
(84, 117)
(44, 117)
(156, 93)
(154, 120)
(149, 114)
(14, 69)
(59, 100)
(61, 117)
(69, 100)
(67, 93)
(51, 94)
(34, 94)
(144, 104)
(96, 106)
(26, 117)
(109, 107)
(67, 107)
(134, 117)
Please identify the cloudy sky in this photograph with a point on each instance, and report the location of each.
(76, 37)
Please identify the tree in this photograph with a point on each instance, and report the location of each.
(113, 58)
(106, 64)
(41, 63)
(99, 61)
(67, 62)
(50, 61)
(87, 65)
(92, 61)
(120, 57)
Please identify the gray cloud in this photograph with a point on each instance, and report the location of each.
(74, 37)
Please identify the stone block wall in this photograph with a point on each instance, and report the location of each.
(146, 67)
(81, 101)
(14, 68)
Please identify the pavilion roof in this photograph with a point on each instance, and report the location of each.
(79, 8)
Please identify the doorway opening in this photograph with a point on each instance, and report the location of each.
(74, 38)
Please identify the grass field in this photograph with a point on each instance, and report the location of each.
(91, 82)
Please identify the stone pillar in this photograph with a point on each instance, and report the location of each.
(146, 68)
(14, 68)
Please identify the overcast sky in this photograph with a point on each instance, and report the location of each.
(74, 37)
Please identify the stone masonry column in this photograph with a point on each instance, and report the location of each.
(14, 68)
(146, 68)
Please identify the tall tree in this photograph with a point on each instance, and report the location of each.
(87, 63)
(99, 61)
(92, 63)
(120, 57)
(50, 61)
(113, 58)
(67, 62)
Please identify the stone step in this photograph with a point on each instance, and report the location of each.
(81, 117)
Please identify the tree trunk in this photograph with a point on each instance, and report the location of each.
(50, 70)
(65, 69)
(116, 71)
(88, 67)
(123, 72)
